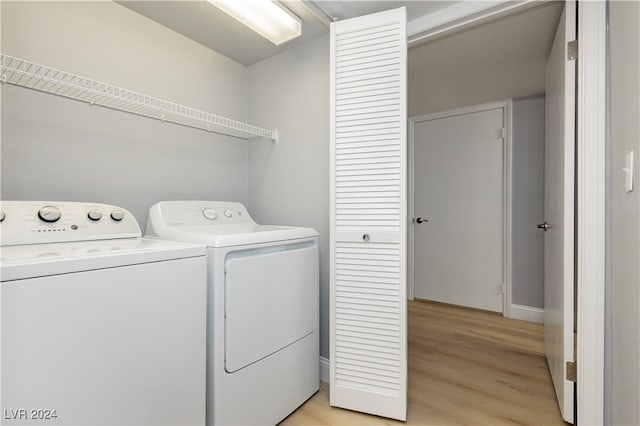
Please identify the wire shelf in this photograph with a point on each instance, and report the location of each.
(27, 74)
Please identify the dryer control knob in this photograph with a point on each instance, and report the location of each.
(49, 214)
(117, 215)
(210, 214)
(94, 215)
(2, 216)
(228, 213)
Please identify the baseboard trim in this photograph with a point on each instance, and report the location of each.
(324, 369)
(527, 313)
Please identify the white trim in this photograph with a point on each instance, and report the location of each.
(507, 107)
(318, 12)
(410, 209)
(527, 313)
(460, 16)
(591, 162)
(508, 208)
(325, 375)
(460, 111)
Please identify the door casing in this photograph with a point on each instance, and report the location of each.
(506, 106)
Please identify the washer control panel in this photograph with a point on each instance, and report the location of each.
(200, 213)
(37, 222)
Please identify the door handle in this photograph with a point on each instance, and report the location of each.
(544, 226)
(419, 220)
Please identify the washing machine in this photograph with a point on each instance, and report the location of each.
(262, 342)
(99, 325)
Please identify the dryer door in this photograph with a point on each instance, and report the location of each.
(271, 301)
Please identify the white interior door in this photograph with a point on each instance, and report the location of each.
(368, 308)
(459, 193)
(559, 211)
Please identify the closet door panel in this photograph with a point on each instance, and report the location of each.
(368, 214)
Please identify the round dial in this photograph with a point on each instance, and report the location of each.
(117, 215)
(2, 216)
(228, 213)
(209, 214)
(94, 215)
(49, 214)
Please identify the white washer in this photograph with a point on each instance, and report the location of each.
(99, 325)
(262, 345)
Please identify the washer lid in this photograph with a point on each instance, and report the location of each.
(236, 235)
(38, 260)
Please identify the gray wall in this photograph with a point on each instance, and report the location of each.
(58, 149)
(527, 277)
(289, 180)
(624, 92)
(499, 60)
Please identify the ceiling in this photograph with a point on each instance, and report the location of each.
(349, 9)
(202, 22)
(206, 24)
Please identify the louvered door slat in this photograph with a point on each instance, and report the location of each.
(368, 214)
(358, 101)
(367, 37)
(365, 65)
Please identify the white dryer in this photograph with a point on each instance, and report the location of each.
(99, 325)
(262, 343)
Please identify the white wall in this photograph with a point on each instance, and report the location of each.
(59, 149)
(289, 180)
(624, 90)
(438, 83)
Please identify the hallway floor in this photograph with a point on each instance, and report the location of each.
(465, 367)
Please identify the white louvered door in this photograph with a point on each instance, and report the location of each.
(368, 308)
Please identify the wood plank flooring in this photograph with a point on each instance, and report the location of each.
(465, 367)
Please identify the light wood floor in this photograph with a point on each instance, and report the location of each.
(465, 367)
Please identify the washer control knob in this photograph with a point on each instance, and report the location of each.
(2, 216)
(94, 215)
(228, 213)
(210, 214)
(117, 215)
(49, 214)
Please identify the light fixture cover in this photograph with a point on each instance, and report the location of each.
(266, 17)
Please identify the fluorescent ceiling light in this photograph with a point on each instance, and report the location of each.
(266, 17)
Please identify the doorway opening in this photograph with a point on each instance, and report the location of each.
(462, 179)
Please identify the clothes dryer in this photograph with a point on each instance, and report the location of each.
(262, 343)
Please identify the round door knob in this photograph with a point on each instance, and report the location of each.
(366, 237)
(94, 215)
(117, 215)
(49, 214)
(2, 216)
(210, 214)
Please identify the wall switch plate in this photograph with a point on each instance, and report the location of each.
(628, 172)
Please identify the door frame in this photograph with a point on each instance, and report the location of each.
(590, 209)
(507, 107)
